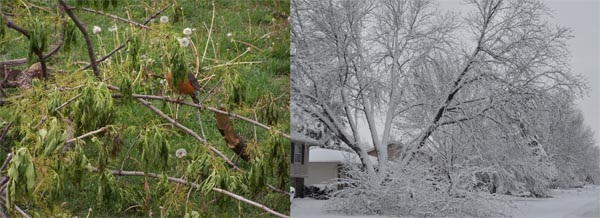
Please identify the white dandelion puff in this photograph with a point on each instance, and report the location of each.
(113, 28)
(248, 49)
(229, 34)
(96, 30)
(180, 153)
(184, 42)
(164, 19)
(187, 31)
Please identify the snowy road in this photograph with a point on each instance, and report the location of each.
(570, 203)
(311, 208)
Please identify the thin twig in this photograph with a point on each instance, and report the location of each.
(87, 134)
(2, 213)
(200, 122)
(196, 185)
(4, 131)
(127, 154)
(116, 18)
(67, 102)
(8, 158)
(255, 118)
(233, 63)
(209, 32)
(22, 212)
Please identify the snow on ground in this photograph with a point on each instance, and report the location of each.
(308, 207)
(565, 203)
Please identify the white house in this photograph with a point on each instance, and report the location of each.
(326, 164)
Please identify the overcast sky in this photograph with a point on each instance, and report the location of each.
(582, 16)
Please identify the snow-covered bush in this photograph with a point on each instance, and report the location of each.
(409, 191)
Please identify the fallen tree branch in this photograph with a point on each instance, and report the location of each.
(168, 99)
(188, 131)
(196, 185)
(156, 110)
(116, 17)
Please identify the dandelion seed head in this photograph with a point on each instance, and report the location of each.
(113, 28)
(96, 30)
(187, 31)
(164, 19)
(229, 34)
(180, 153)
(184, 42)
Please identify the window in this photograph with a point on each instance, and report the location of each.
(298, 150)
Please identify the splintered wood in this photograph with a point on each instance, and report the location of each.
(226, 129)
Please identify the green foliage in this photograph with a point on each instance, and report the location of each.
(178, 68)
(76, 164)
(134, 52)
(38, 37)
(71, 35)
(235, 89)
(109, 192)
(54, 101)
(2, 27)
(155, 149)
(278, 149)
(49, 140)
(94, 108)
(96, 4)
(269, 110)
(21, 172)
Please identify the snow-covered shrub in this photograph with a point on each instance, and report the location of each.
(408, 191)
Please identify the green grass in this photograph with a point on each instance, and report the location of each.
(243, 31)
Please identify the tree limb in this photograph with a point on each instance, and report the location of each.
(168, 99)
(185, 182)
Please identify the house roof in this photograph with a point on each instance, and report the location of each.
(297, 137)
(322, 155)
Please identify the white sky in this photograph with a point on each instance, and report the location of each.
(583, 16)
